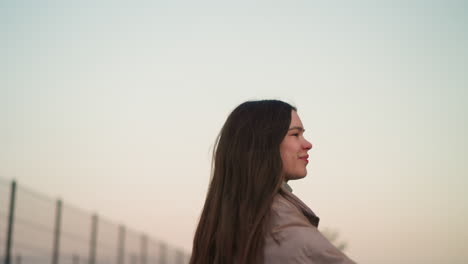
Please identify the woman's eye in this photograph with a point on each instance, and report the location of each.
(295, 135)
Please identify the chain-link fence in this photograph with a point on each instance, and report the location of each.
(35, 229)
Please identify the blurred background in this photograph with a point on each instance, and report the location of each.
(114, 107)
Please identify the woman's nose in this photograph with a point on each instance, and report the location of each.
(307, 145)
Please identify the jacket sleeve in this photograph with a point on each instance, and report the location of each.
(304, 245)
(319, 250)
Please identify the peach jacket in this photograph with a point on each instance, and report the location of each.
(294, 237)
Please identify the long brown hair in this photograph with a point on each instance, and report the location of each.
(246, 174)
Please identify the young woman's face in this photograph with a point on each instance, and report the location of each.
(293, 150)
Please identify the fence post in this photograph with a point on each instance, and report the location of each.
(179, 257)
(93, 242)
(11, 217)
(162, 253)
(144, 249)
(75, 259)
(121, 245)
(133, 258)
(58, 222)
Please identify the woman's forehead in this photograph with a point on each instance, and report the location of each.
(295, 120)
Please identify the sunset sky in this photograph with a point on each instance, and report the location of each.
(114, 106)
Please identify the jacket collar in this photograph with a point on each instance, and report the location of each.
(311, 216)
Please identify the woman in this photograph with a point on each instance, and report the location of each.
(250, 214)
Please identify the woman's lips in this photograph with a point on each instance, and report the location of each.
(305, 158)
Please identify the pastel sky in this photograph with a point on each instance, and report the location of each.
(114, 106)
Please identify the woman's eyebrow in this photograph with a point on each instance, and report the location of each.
(298, 128)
